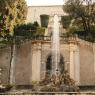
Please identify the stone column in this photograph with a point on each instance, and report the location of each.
(66, 63)
(43, 64)
(0, 75)
(72, 64)
(94, 56)
(36, 62)
(77, 66)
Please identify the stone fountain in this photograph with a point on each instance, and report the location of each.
(57, 80)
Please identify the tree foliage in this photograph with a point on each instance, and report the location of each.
(83, 15)
(25, 30)
(29, 30)
(66, 20)
(12, 13)
(83, 10)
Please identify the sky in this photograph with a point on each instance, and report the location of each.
(44, 2)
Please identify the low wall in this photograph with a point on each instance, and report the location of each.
(49, 93)
(87, 62)
(5, 56)
(23, 62)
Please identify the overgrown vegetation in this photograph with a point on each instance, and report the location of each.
(29, 30)
(56, 83)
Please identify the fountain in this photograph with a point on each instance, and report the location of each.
(55, 46)
(57, 80)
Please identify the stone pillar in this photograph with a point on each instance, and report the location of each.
(36, 62)
(77, 66)
(74, 63)
(43, 65)
(94, 56)
(0, 75)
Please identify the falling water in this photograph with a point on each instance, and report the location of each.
(55, 45)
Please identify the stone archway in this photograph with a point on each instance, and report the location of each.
(49, 64)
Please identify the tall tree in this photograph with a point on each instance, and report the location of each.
(82, 11)
(12, 13)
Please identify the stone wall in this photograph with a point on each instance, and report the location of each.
(24, 67)
(34, 12)
(83, 60)
(4, 65)
(23, 64)
(87, 63)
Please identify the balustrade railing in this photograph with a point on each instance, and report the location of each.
(49, 38)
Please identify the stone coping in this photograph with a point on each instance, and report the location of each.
(46, 93)
(46, 6)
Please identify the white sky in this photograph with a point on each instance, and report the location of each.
(44, 2)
